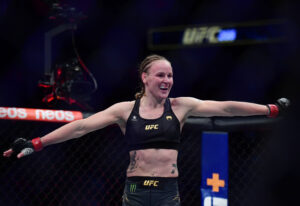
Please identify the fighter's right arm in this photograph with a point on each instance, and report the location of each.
(78, 128)
(115, 114)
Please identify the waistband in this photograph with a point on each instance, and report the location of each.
(142, 178)
(152, 182)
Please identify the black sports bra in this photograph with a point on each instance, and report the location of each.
(160, 133)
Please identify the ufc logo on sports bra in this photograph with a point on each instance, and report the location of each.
(151, 126)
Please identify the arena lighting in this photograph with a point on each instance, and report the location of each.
(70, 81)
(174, 37)
(65, 12)
(227, 35)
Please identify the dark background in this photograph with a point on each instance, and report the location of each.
(112, 41)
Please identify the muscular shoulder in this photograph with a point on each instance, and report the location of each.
(122, 111)
(124, 105)
(184, 102)
(183, 106)
(122, 108)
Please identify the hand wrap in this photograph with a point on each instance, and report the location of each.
(27, 147)
(279, 107)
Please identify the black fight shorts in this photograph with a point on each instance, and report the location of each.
(151, 191)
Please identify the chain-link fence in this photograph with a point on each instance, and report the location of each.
(90, 171)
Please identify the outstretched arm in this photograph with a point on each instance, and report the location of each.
(207, 108)
(76, 129)
(227, 108)
(111, 115)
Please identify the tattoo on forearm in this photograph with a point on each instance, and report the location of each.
(133, 163)
(174, 168)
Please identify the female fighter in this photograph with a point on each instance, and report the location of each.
(152, 125)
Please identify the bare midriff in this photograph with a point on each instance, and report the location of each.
(153, 163)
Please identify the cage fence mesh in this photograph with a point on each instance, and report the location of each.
(90, 170)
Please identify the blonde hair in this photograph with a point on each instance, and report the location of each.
(144, 67)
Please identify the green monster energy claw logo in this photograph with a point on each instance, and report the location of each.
(132, 188)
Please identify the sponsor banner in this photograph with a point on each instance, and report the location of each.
(14, 113)
(214, 184)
